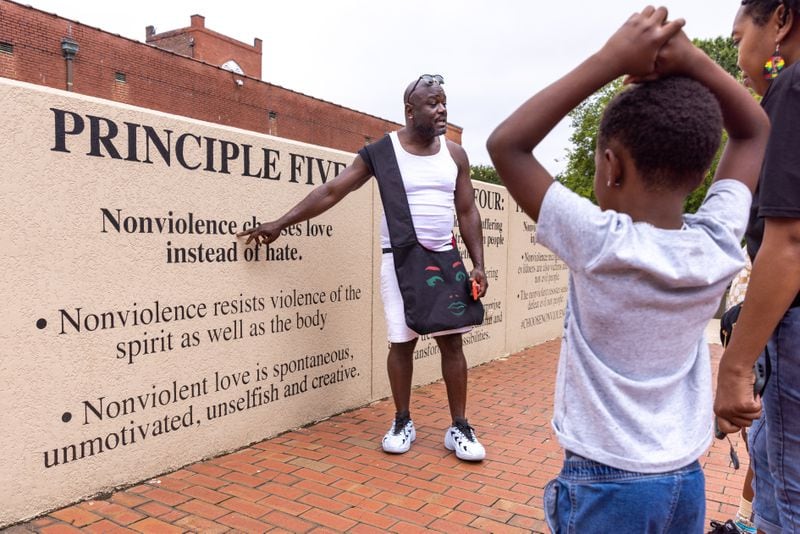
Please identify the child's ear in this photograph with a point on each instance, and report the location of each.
(612, 168)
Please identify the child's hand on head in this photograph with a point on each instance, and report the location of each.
(633, 48)
(676, 57)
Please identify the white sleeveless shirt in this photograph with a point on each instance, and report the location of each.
(430, 183)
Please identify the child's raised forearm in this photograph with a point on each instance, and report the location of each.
(511, 144)
(534, 119)
(632, 49)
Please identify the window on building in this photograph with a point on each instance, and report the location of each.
(232, 66)
(119, 77)
(6, 48)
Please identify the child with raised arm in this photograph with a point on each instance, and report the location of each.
(633, 406)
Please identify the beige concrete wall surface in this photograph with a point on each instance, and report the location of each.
(140, 334)
(132, 346)
(537, 285)
(380, 346)
(488, 341)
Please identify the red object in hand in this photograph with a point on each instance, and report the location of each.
(475, 290)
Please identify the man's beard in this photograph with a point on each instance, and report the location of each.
(428, 131)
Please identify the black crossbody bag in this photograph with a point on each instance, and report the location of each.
(435, 285)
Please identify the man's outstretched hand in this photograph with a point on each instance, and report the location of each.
(263, 234)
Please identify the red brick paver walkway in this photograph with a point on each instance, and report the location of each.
(333, 476)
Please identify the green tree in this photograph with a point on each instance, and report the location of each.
(585, 121)
(484, 173)
(722, 51)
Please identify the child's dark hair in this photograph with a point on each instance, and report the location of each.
(671, 127)
(761, 10)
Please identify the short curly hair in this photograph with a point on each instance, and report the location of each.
(671, 127)
(761, 10)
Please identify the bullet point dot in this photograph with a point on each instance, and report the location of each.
(66, 417)
(41, 323)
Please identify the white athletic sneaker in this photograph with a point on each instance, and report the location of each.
(398, 439)
(461, 439)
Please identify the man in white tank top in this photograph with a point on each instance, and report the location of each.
(436, 177)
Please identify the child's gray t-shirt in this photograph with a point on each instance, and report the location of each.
(633, 388)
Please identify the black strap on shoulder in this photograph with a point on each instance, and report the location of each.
(382, 161)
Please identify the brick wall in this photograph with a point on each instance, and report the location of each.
(198, 42)
(168, 82)
(180, 43)
(217, 49)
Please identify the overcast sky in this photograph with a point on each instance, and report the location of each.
(493, 54)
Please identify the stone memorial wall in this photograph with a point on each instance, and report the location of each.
(140, 334)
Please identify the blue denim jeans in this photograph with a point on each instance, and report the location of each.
(588, 496)
(775, 439)
(767, 518)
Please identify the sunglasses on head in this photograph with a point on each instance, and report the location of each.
(429, 79)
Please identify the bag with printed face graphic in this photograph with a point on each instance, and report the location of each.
(435, 285)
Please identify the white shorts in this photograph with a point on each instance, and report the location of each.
(397, 331)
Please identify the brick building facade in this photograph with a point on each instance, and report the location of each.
(46, 49)
(199, 42)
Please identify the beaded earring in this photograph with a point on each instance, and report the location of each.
(774, 65)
